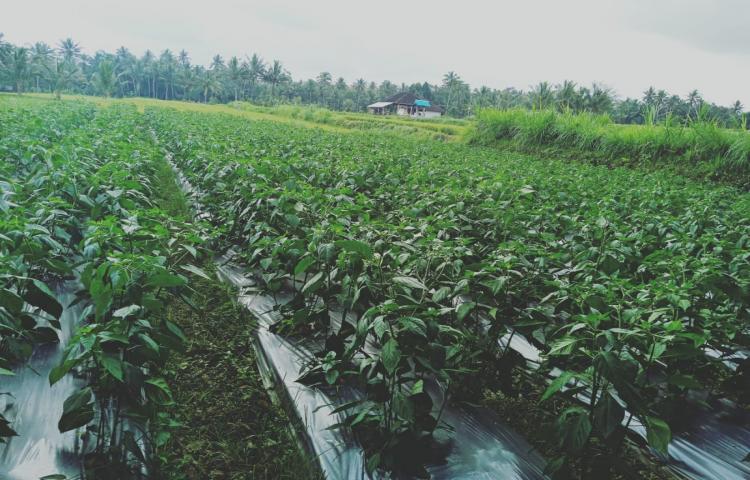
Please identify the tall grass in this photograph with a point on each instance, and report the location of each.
(701, 147)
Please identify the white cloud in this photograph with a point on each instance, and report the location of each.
(626, 44)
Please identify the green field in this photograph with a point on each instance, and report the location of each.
(438, 248)
(437, 128)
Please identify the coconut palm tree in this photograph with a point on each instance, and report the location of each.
(17, 65)
(256, 71)
(136, 72)
(41, 55)
(694, 101)
(339, 93)
(123, 62)
(600, 101)
(208, 81)
(567, 97)
(542, 96)
(359, 88)
(187, 80)
(217, 63)
(324, 81)
(69, 49)
(150, 71)
(275, 75)
(234, 76)
(183, 59)
(737, 108)
(4, 48)
(451, 80)
(167, 72)
(60, 74)
(482, 98)
(105, 79)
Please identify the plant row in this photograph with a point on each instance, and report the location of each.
(81, 208)
(624, 280)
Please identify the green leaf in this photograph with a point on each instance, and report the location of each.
(292, 219)
(197, 271)
(497, 284)
(574, 429)
(149, 342)
(313, 284)
(373, 463)
(355, 246)
(158, 391)
(192, 250)
(175, 330)
(166, 280)
(608, 415)
(379, 327)
(5, 371)
(464, 309)
(556, 385)
(622, 374)
(78, 410)
(390, 355)
(418, 387)
(39, 295)
(331, 376)
(658, 434)
(563, 346)
(684, 381)
(414, 325)
(101, 294)
(12, 302)
(127, 311)
(60, 370)
(113, 365)
(441, 294)
(410, 282)
(303, 265)
(107, 336)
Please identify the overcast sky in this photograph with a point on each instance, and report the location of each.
(628, 45)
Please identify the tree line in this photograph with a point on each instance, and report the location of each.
(172, 76)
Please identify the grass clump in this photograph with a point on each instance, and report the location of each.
(701, 149)
(230, 428)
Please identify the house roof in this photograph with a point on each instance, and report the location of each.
(407, 98)
(379, 104)
(403, 98)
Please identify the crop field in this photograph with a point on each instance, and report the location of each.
(79, 211)
(415, 264)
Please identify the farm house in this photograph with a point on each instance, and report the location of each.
(406, 104)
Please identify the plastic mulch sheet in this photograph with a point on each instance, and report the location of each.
(34, 408)
(713, 445)
(479, 445)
